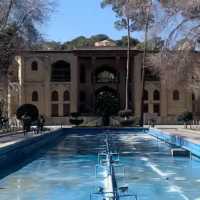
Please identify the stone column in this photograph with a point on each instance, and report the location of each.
(163, 101)
(47, 89)
(93, 82)
(131, 82)
(188, 99)
(74, 83)
(9, 104)
(21, 77)
(120, 88)
(137, 84)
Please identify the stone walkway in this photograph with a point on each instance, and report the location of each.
(12, 138)
(190, 135)
(7, 139)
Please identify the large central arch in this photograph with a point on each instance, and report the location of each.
(106, 74)
(61, 71)
(107, 96)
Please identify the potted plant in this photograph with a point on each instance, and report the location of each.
(75, 119)
(126, 117)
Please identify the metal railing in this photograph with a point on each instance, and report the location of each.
(107, 160)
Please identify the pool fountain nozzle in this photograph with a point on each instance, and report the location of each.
(110, 191)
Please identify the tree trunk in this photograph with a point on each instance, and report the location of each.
(106, 120)
(143, 70)
(128, 64)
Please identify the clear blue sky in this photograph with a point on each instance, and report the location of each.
(80, 17)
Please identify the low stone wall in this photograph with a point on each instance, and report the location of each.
(20, 150)
(103, 130)
(176, 140)
(87, 121)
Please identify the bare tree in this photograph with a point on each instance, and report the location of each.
(132, 16)
(19, 20)
(177, 63)
(185, 16)
(178, 23)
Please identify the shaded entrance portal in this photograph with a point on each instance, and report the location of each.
(107, 103)
(106, 74)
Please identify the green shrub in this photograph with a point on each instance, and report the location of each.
(107, 105)
(75, 114)
(185, 117)
(27, 109)
(126, 122)
(75, 120)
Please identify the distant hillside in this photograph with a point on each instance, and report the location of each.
(81, 42)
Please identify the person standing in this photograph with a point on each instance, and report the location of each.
(26, 120)
(42, 122)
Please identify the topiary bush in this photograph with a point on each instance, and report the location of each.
(28, 109)
(27, 113)
(186, 118)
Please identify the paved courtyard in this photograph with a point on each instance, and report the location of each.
(12, 138)
(190, 135)
(7, 139)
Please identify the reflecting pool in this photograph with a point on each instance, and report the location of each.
(67, 171)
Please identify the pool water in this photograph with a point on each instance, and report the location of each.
(67, 171)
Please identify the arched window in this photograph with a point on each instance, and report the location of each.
(66, 96)
(106, 75)
(34, 66)
(54, 96)
(146, 95)
(35, 96)
(60, 72)
(156, 95)
(176, 95)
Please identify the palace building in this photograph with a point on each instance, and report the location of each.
(61, 82)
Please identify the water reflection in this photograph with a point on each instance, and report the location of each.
(66, 171)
